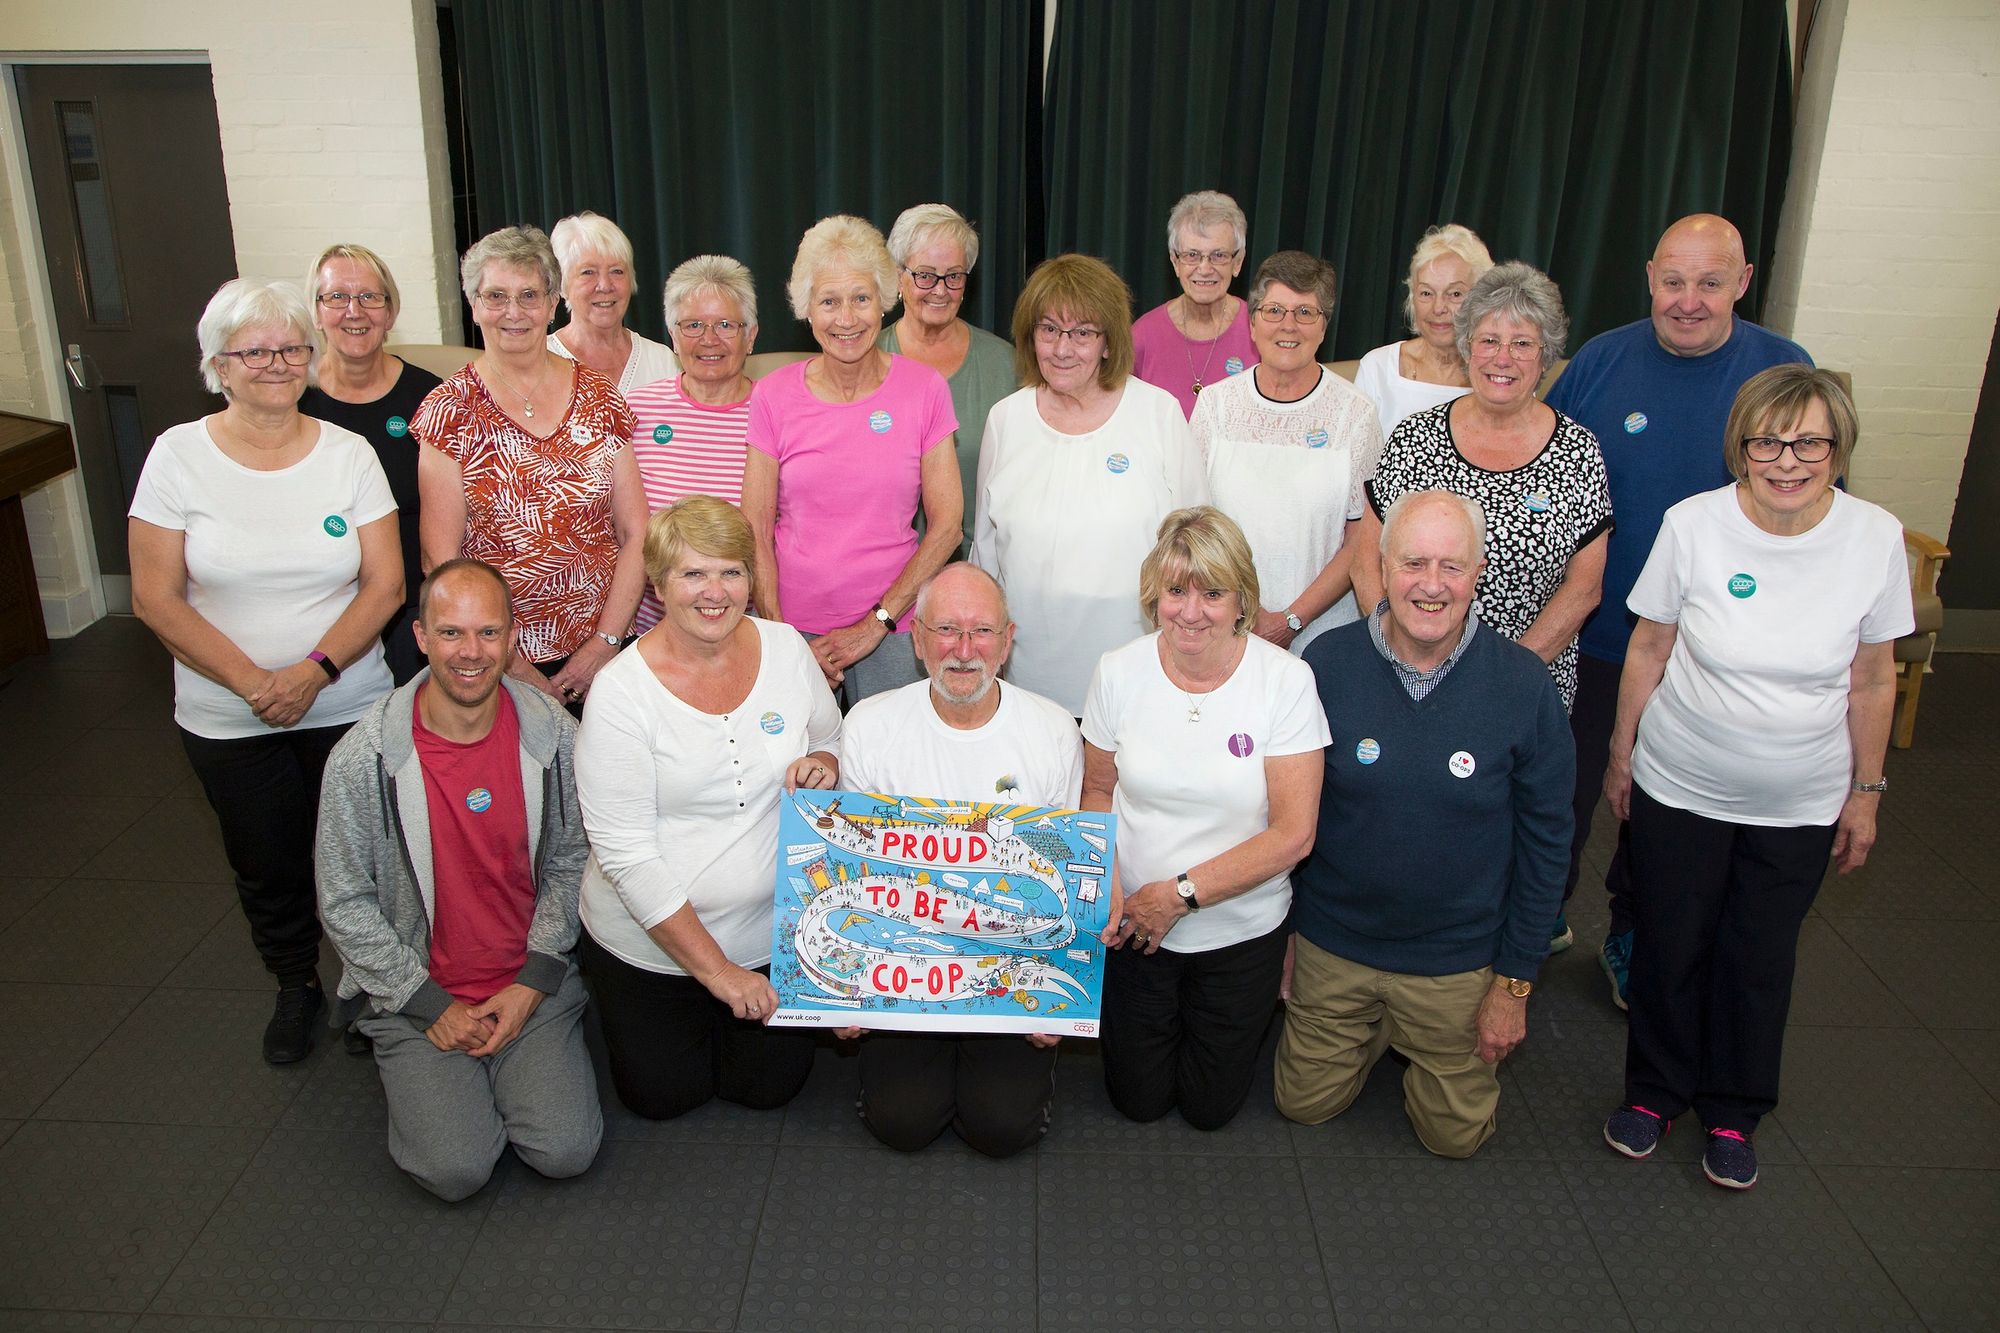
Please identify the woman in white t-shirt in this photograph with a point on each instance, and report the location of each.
(265, 556)
(693, 735)
(1427, 369)
(1753, 721)
(1205, 741)
(1288, 449)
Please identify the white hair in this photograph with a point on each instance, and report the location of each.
(240, 303)
(1468, 508)
(1204, 209)
(842, 240)
(928, 224)
(709, 273)
(589, 233)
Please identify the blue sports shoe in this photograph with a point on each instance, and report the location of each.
(1636, 1131)
(1616, 960)
(1562, 936)
(1730, 1160)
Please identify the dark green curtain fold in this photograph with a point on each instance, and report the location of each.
(732, 128)
(1566, 132)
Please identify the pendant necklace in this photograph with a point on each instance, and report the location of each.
(1187, 348)
(527, 403)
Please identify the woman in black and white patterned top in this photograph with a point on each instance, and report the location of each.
(1537, 473)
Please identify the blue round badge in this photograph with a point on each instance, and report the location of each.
(662, 433)
(1741, 585)
(398, 427)
(1315, 439)
(880, 421)
(1536, 502)
(1234, 365)
(1117, 463)
(1635, 423)
(335, 526)
(478, 800)
(771, 723)
(1368, 751)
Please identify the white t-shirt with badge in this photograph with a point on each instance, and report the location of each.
(273, 560)
(682, 806)
(1029, 752)
(1065, 521)
(1189, 790)
(1749, 723)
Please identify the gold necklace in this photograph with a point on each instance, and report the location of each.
(1187, 349)
(527, 403)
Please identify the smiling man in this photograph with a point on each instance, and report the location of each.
(1656, 394)
(451, 852)
(1423, 912)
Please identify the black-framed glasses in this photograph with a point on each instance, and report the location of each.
(258, 358)
(725, 329)
(1273, 313)
(1194, 258)
(1770, 448)
(982, 636)
(366, 300)
(1083, 335)
(496, 301)
(954, 280)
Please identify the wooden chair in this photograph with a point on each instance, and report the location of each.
(1913, 651)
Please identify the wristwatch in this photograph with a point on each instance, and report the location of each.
(611, 639)
(1516, 987)
(1292, 619)
(1185, 887)
(881, 613)
(1883, 785)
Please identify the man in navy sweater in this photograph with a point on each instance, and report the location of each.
(1424, 911)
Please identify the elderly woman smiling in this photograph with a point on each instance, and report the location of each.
(596, 262)
(1426, 370)
(934, 249)
(1202, 336)
(843, 453)
(1536, 473)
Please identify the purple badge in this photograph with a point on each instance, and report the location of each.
(1241, 745)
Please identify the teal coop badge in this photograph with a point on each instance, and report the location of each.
(398, 427)
(335, 526)
(663, 433)
(1741, 585)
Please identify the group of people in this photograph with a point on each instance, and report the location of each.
(1351, 663)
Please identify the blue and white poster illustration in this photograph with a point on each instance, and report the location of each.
(931, 915)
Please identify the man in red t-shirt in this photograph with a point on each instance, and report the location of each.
(451, 850)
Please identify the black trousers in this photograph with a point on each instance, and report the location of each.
(994, 1089)
(1591, 719)
(1184, 1029)
(674, 1047)
(1718, 908)
(265, 794)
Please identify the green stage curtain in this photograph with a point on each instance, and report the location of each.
(1565, 132)
(732, 128)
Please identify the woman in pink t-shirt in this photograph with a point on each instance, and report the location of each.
(1202, 336)
(843, 451)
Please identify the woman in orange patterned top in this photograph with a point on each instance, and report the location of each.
(527, 468)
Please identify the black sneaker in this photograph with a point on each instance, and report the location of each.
(1635, 1131)
(356, 1041)
(1730, 1161)
(288, 1037)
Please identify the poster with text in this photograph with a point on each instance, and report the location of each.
(940, 916)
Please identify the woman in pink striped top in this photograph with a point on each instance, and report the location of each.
(689, 439)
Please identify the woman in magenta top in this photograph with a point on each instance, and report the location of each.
(1201, 336)
(843, 452)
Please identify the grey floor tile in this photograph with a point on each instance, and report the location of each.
(106, 763)
(717, 1122)
(80, 695)
(652, 1236)
(342, 1092)
(115, 643)
(1419, 1245)
(1573, 984)
(94, 1217)
(1904, 879)
(1885, 1097)
(64, 1321)
(827, 1113)
(176, 839)
(1943, 970)
(184, 1057)
(7, 1128)
(1376, 1126)
(111, 931)
(225, 959)
(322, 1225)
(1084, 1121)
(173, 1323)
(1978, 1050)
(18, 895)
(1195, 1242)
(46, 1031)
(1833, 987)
(1936, 1232)
(855, 1241)
(51, 836)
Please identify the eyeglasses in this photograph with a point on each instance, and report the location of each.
(496, 301)
(1304, 314)
(725, 329)
(1083, 336)
(257, 358)
(954, 281)
(982, 636)
(1521, 348)
(1194, 258)
(1769, 448)
(366, 300)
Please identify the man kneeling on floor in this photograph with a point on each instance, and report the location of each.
(450, 854)
(1424, 911)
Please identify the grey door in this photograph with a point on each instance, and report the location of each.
(127, 167)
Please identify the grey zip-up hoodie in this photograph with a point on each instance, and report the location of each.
(372, 857)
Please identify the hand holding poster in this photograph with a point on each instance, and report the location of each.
(939, 916)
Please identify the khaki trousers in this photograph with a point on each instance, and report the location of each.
(1342, 1016)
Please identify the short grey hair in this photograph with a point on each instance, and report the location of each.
(365, 257)
(1524, 292)
(842, 240)
(1450, 238)
(1204, 209)
(241, 303)
(589, 233)
(511, 247)
(709, 273)
(923, 606)
(1472, 511)
(1299, 271)
(928, 224)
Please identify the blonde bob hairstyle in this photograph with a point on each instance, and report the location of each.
(842, 241)
(1088, 291)
(704, 525)
(368, 259)
(1777, 399)
(1203, 546)
(1452, 238)
(237, 305)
